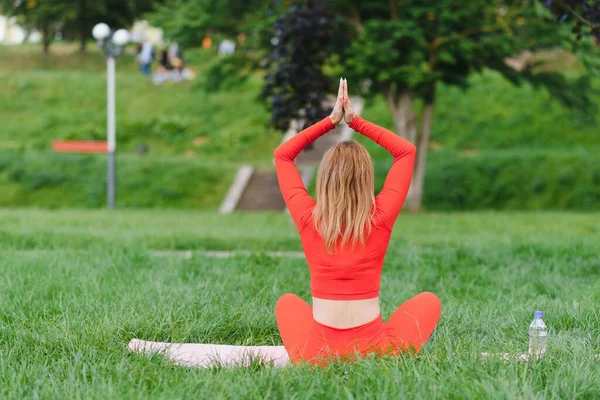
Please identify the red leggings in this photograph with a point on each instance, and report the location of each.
(409, 328)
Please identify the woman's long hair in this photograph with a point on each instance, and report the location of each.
(345, 199)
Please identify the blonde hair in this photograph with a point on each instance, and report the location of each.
(345, 199)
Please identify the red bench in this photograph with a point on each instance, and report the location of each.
(79, 146)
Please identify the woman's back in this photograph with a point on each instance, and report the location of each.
(345, 285)
(351, 271)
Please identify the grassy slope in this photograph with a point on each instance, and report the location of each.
(69, 307)
(494, 115)
(195, 139)
(64, 97)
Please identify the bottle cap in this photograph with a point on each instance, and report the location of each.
(538, 314)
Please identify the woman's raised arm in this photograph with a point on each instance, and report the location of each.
(391, 197)
(292, 187)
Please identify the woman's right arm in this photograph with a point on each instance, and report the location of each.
(391, 198)
(292, 188)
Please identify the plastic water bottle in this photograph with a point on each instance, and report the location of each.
(538, 334)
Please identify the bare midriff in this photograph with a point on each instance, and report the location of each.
(345, 314)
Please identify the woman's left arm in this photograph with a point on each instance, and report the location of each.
(292, 187)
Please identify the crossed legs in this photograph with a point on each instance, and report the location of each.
(409, 327)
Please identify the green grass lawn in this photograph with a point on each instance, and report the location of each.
(76, 286)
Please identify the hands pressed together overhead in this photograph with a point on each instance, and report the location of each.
(343, 107)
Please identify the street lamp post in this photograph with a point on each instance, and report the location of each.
(112, 43)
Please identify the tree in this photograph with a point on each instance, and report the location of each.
(187, 21)
(45, 15)
(585, 15)
(86, 14)
(290, 39)
(406, 49)
(295, 83)
(76, 18)
(115, 13)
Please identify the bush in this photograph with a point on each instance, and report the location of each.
(519, 180)
(523, 180)
(494, 114)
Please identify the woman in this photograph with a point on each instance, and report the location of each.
(146, 57)
(345, 235)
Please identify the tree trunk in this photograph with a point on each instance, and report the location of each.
(83, 31)
(414, 199)
(82, 43)
(46, 39)
(403, 115)
(406, 107)
(354, 19)
(394, 14)
(405, 121)
(83, 39)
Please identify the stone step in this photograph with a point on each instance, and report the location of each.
(262, 193)
(314, 153)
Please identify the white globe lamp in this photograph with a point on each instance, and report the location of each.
(121, 37)
(101, 31)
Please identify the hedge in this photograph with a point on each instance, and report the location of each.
(511, 180)
(79, 181)
(519, 180)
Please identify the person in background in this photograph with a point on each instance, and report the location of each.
(145, 58)
(226, 47)
(164, 65)
(176, 61)
(241, 39)
(164, 68)
(207, 41)
(174, 53)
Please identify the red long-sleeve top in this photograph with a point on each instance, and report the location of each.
(353, 273)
